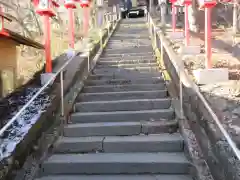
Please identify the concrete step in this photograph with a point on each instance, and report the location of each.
(154, 80)
(133, 54)
(133, 76)
(120, 65)
(120, 144)
(126, 75)
(117, 163)
(127, 57)
(133, 41)
(129, 38)
(131, 33)
(114, 96)
(118, 177)
(112, 44)
(122, 116)
(120, 88)
(103, 129)
(123, 46)
(123, 105)
(144, 143)
(121, 37)
(112, 70)
(120, 128)
(127, 62)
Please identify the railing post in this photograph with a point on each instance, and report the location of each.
(88, 60)
(161, 49)
(154, 37)
(181, 96)
(101, 39)
(62, 95)
(150, 27)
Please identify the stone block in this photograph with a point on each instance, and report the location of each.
(176, 35)
(207, 76)
(189, 50)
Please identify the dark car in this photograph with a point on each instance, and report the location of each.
(137, 12)
(131, 12)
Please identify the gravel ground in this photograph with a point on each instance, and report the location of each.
(224, 97)
(19, 128)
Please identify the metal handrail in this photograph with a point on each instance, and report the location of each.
(184, 79)
(70, 54)
(14, 118)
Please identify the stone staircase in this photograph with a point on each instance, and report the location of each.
(123, 126)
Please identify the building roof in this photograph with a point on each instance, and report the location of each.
(19, 39)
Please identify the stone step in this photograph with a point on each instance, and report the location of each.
(129, 41)
(129, 38)
(132, 74)
(117, 163)
(103, 129)
(112, 70)
(131, 33)
(127, 62)
(120, 144)
(112, 44)
(133, 54)
(114, 96)
(123, 105)
(120, 128)
(122, 116)
(127, 57)
(123, 46)
(118, 177)
(121, 37)
(154, 80)
(120, 88)
(130, 54)
(120, 65)
(116, 76)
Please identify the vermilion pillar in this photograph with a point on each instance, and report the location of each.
(47, 34)
(173, 17)
(71, 29)
(187, 35)
(85, 21)
(208, 36)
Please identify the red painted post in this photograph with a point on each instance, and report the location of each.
(45, 9)
(71, 28)
(208, 36)
(186, 4)
(85, 5)
(47, 31)
(2, 19)
(85, 21)
(208, 5)
(173, 17)
(187, 36)
(70, 5)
